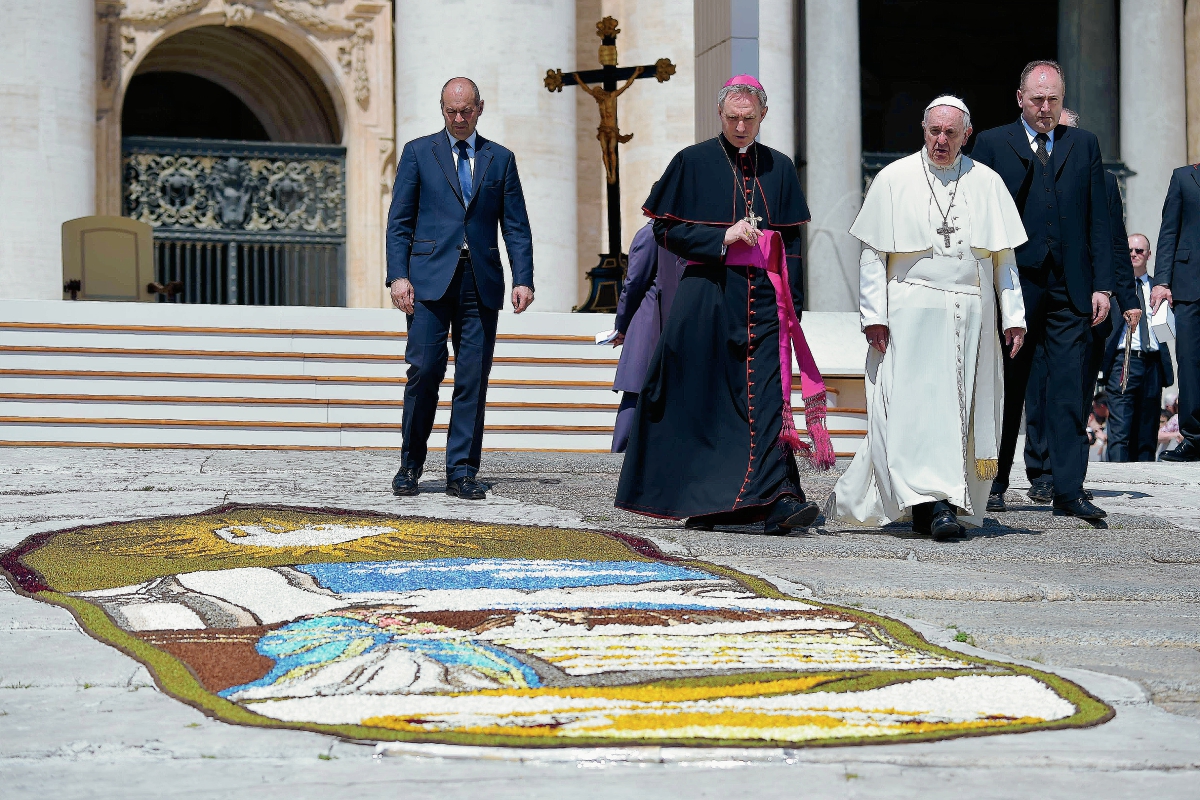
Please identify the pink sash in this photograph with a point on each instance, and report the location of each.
(768, 254)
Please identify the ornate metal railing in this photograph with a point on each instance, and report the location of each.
(241, 222)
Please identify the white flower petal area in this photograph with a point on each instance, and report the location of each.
(274, 535)
(961, 703)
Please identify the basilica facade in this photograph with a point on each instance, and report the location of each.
(259, 137)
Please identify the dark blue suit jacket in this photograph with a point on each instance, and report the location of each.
(428, 220)
(1087, 244)
(1179, 237)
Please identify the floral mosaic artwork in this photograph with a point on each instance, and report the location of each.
(387, 628)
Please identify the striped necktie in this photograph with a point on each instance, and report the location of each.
(1042, 153)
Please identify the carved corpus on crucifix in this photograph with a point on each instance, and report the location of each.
(601, 84)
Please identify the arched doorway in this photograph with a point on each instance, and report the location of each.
(231, 149)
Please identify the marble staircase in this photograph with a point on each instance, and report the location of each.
(194, 376)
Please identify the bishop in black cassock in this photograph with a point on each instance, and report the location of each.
(705, 440)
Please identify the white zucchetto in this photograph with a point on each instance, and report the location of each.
(948, 100)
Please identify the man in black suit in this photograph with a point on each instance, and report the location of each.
(1055, 175)
(453, 190)
(1037, 448)
(1133, 414)
(1177, 281)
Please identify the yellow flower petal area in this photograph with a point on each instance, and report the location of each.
(934, 705)
(669, 694)
(672, 723)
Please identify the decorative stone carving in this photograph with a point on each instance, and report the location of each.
(256, 189)
(108, 13)
(237, 13)
(162, 12)
(348, 46)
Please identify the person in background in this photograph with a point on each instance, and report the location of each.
(1168, 431)
(1133, 422)
(650, 282)
(1177, 282)
(1097, 430)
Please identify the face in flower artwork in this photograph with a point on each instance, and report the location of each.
(383, 628)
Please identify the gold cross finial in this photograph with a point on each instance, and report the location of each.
(607, 27)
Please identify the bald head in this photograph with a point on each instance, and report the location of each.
(461, 107)
(1139, 253)
(1041, 95)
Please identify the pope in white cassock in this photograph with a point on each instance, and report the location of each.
(938, 233)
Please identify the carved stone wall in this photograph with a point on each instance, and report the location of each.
(346, 45)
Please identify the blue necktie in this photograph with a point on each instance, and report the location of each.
(464, 171)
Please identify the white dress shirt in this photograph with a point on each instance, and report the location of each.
(1031, 134)
(1152, 345)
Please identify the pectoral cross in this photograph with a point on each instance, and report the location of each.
(945, 231)
(754, 219)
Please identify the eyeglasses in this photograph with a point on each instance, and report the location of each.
(1138, 250)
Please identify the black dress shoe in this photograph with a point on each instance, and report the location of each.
(697, 524)
(466, 488)
(1182, 453)
(789, 513)
(405, 482)
(1079, 508)
(945, 526)
(1041, 491)
(996, 502)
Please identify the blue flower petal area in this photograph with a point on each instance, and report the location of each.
(323, 640)
(310, 642)
(492, 573)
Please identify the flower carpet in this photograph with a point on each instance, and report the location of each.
(378, 627)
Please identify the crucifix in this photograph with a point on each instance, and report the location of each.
(601, 84)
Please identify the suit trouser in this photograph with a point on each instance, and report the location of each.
(1037, 448)
(472, 327)
(1187, 351)
(1133, 415)
(1048, 377)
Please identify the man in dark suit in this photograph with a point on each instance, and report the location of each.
(1177, 281)
(1133, 415)
(1055, 175)
(1037, 448)
(453, 190)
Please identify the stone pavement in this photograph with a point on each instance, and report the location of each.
(1115, 609)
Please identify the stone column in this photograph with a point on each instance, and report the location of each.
(47, 143)
(1087, 50)
(834, 142)
(777, 71)
(1153, 116)
(506, 50)
(726, 42)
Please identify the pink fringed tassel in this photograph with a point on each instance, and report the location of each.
(824, 456)
(769, 255)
